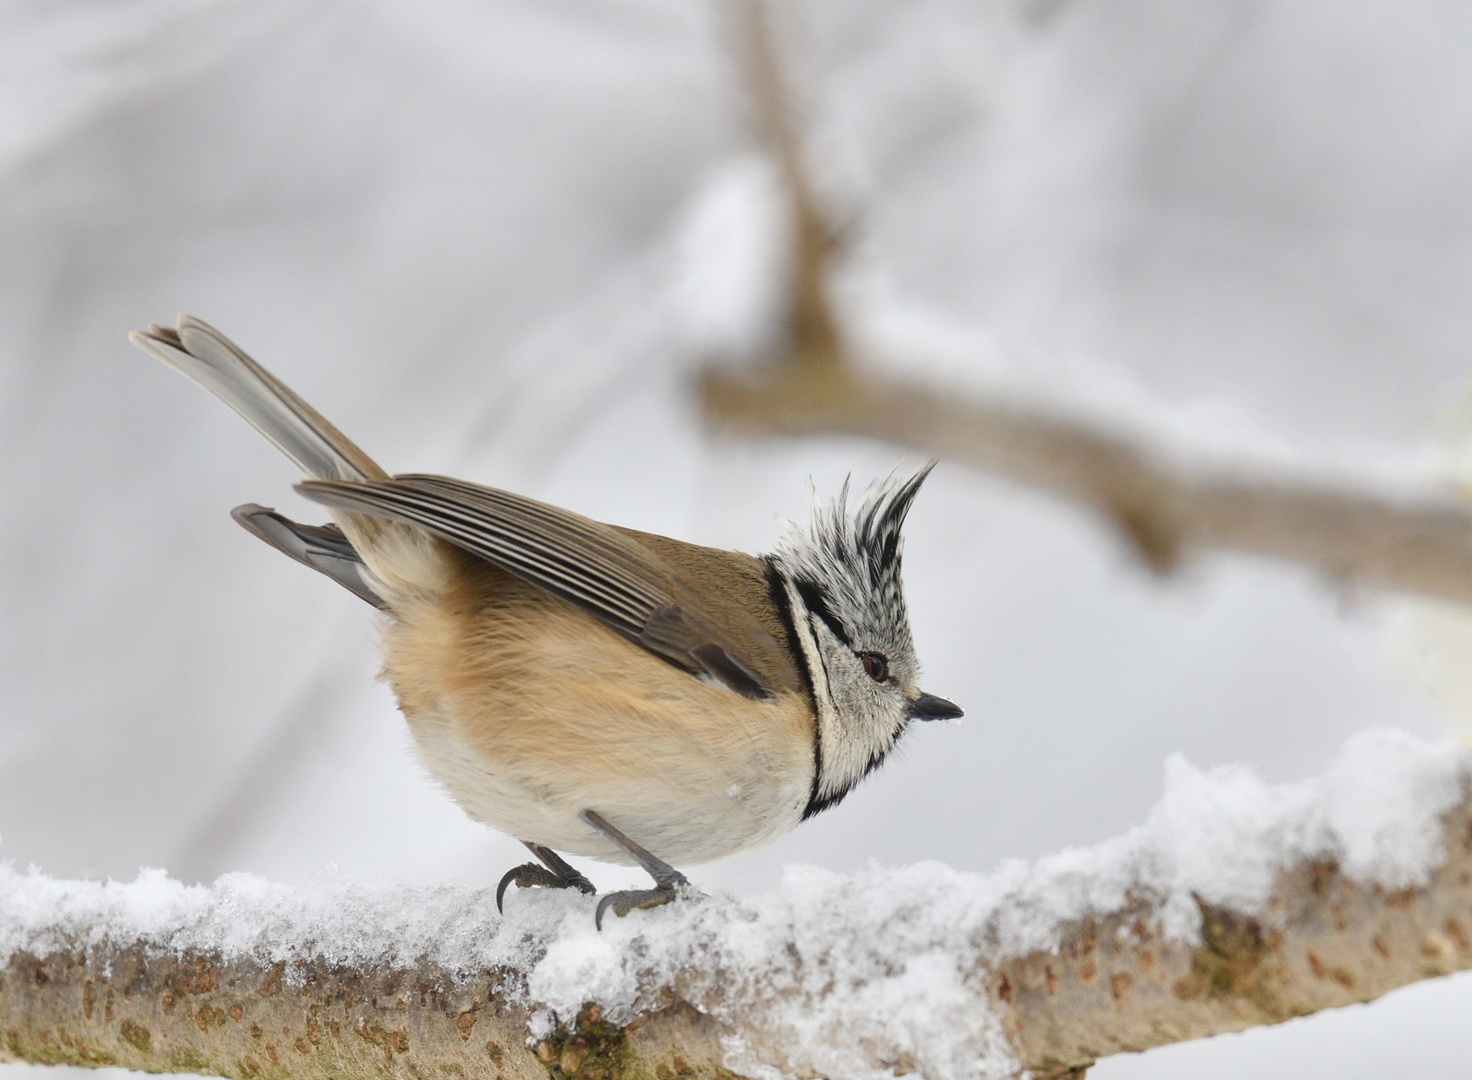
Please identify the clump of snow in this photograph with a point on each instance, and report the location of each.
(1376, 812)
(844, 974)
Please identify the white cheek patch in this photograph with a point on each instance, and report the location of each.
(828, 725)
(849, 741)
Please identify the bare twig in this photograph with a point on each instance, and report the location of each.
(1419, 542)
(813, 340)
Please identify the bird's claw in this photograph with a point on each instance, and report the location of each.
(531, 874)
(629, 899)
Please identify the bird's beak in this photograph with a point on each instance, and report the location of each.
(930, 707)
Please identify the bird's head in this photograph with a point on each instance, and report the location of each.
(842, 577)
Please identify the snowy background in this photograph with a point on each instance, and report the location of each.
(495, 239)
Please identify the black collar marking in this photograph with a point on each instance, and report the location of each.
(777, 584)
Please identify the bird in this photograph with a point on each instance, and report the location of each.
(589, 689)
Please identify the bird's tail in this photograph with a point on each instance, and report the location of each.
(402, 560)
(299, 431)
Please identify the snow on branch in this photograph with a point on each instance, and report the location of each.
(1158, 478)
(1236, 903)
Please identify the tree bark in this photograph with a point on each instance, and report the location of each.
(139, 1007)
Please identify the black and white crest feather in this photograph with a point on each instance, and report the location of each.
(853, 559)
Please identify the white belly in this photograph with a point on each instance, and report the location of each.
(692, 815)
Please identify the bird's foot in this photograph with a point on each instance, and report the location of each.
(626, 901)
(557, 875)
(669, 883)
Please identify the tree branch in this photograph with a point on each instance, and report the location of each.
(1236, 904)
(1419, 541)
(812, 331)
(1324, 941)
(1410, 540)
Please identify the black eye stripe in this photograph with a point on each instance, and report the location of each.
(816, 602)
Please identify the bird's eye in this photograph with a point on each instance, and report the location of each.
(876, 666)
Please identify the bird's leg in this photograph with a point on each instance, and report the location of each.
(668, 882)
(556, 874)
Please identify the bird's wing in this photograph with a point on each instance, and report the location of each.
(598, 568)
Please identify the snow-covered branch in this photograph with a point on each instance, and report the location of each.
(1236, 903)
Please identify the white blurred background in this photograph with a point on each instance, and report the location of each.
(496, 238)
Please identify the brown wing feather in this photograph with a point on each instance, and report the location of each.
(608, 572)
(735, 592)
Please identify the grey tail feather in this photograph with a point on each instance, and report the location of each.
(322, 547)
(207, 356)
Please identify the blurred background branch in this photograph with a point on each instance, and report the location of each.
(814, 343)
(817, 382)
